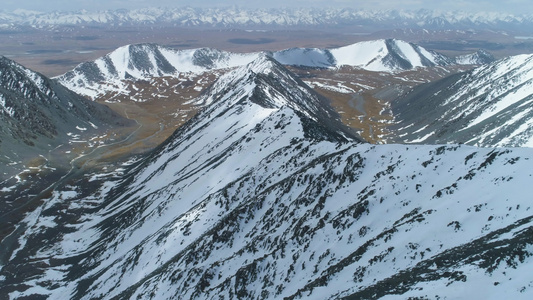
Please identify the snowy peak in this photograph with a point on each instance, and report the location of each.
(491, 105)
(267, 83)
(146, 61)
(480, 57)
(387, 55)
(249, 114)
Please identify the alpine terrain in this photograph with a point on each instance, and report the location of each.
(234, 17)
(112, 73)
(488, 106)
(265, 194)
(38, 114)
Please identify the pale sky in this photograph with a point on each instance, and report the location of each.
(510, 6)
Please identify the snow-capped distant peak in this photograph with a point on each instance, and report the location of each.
(142, 62)
(387, 56)
(146, 61)
(268, 18)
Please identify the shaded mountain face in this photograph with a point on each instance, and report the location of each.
(146, 61)
(488, 106)
(37, 114)
(265, 195)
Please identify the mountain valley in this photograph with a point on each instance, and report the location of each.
(375, 169)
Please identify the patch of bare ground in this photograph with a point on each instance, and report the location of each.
(362, 97)
(159, 106)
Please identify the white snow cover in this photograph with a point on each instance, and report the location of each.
(362, 54)
(372, 55)
(127, 63)
(231, 16)
(244, 202)
(124, 64)
(494, 101)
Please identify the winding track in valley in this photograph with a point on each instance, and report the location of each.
(79, 166)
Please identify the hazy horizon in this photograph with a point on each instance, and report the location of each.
(513, 7)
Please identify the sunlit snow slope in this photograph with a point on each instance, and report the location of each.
(265, 195)
(146, 61)
(488, 106)
(387, 55)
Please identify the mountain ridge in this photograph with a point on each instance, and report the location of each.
(250, 200)
(145, 61)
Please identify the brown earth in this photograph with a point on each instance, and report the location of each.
(362, 97)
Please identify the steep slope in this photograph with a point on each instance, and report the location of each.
(37, 114)
(488, 106)
(264, 195)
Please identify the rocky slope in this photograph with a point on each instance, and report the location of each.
(38, 114)
(488, 106)
(265, 195)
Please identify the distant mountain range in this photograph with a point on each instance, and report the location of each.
(264, 194)
(145, 61)
(247, 18)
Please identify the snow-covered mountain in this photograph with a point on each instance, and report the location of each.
(491, 105)
(37, 113)
(266, 195)
(480, 57)
(146, 61)
(388, 55)
(246, 18)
